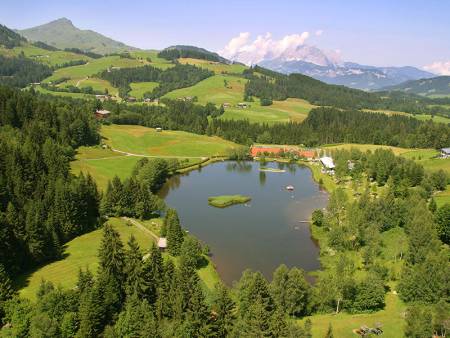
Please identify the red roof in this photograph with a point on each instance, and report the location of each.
(256, 151)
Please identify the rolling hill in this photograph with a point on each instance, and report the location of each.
(62, 34)
(433, 87)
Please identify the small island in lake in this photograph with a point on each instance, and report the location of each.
(227, 200)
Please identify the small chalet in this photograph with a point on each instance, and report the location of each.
(162, 243)
(131, 99)
(158, 129)
(327, 162)
(445, 152)
(102, 114)
(102, 97)
(243, 105)
(226, 105)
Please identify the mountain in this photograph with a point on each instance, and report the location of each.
(436, 86)
(62, 34)
(312, 61)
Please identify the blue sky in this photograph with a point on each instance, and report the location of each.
(401, 32)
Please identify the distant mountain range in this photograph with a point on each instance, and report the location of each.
(62, 34)
(327, 67)
(437, 86)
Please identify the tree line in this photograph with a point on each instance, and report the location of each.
(42, 205)
(175, 53)
(169, 79)
(21, 71)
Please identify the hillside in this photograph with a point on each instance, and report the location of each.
(62, 34)
(182, 51)
(433, 87)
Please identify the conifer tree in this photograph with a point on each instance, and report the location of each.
(134, 283)
(174, 233)
(152, 274)
(223, 311)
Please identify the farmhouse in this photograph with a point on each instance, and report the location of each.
(158, 129)
(102, 97)
(243, 105)
(102, 114)
(256, 151)
(162, 243)
(131, 99)
(327, 162)
(226, 105)
(445, 152)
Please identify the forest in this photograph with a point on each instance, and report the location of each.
(169, 79)
(175, 53)
(21, 71)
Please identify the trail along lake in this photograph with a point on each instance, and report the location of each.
(260, 235)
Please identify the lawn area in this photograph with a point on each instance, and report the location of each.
(95, 83)
(138, 89)
(227, 200)
(93, 67)
(216, 67)
(79, 253)
(65, 94)
(429, 160)
(153, 55)
(51, 58)
(437, 118)
(391, 319)
(214, 89)
(147, 141)
(364, 147)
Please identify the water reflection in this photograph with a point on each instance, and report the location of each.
(269, 231)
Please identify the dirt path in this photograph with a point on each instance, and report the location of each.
(78, 82)
(142, 227)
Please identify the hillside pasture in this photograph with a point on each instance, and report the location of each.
(147, 141)
(220, 89)
(216, 67)
(153, 56)
(64, 94)
(138, 89)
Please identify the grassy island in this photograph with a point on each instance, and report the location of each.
(227, 200)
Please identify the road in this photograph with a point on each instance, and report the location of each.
(156, 156)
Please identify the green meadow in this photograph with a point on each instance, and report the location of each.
(220, 89)
(147, 141)
(138, 89)
(216, 67)
(155, 61)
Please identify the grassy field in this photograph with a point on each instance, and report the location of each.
(391, 319)
(437, 118)
(93, 67)
(138, 89)
(51, 58)
(153, 55)
(220, 89)
(95, 83)
(65, 94)
(147, 141)
(216, 67)
(364, 147)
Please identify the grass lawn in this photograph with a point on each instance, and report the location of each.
(138, 89)
(95, 83)
(214, 89)
(216, 67)
(364, 147)
(437, 118)
(153, 55)
(147, 141)
(93, 67)
(79, 253)
(391, 319)
(227, 200)
(51, 58)
(65, 94)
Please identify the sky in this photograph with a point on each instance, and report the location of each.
(381, 32)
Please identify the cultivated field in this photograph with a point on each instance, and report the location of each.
(153, 56)
(217, 67)
(147, 141)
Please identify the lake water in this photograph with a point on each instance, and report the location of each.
(259, 235)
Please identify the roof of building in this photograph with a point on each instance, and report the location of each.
(327, 162)
(162, 242)
(446, 150)
(103, 112)
(256, 150)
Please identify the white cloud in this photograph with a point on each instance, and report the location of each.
(439, 67)
(319, 32)
(264, 46)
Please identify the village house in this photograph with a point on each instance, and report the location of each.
(162, 243)
(445, 152)
(131, 99)
(226, 105)
(158, 129)
(256, 151)
(102, 114)
(328, 164)
(102, 97)
(243, 105)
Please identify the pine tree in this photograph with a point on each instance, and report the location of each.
(134, 283)
(92, 312)
(152, 274)
(6, 289)
(174, 233)
(297, 293)
(223, 311)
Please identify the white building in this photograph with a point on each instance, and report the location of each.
(162, 243)
(445, 152)
(327, 162)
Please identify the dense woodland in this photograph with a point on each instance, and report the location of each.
(9, 38)
(179, 76)
(175, 53)
(21, 71)
(42, 205)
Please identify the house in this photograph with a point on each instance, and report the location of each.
(102, 97)
(102, 114)
(445, 152)
(327, 162)
(158, 129)
(256, 151)
(162, 243)
(226, 105)
(243, 105)
(131, 99)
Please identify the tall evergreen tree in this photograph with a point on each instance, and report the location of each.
(175, 234)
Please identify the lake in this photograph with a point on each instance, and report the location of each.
(260, 235)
